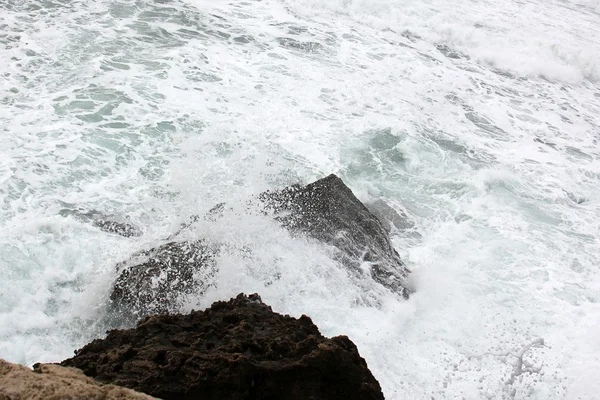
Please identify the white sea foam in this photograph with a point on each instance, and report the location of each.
(480, 120)
(555, 40)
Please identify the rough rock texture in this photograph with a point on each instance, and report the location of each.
(120, 228)
(50, 381)
(153, 281)
(328, 211)
(234, 350)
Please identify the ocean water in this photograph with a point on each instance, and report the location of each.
(480, 120)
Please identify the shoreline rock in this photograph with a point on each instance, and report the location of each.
(329, 212)
(236, 349)
(49, 381)
(153, 281)
(326, 210)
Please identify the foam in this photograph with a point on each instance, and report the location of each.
(137, 116)
(553, 40)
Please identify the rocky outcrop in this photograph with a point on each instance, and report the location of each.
(239, 349)
(328, 211)
(50, 381)
(154, 281)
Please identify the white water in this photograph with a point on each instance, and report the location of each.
(158, 110)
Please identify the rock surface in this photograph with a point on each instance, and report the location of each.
(50, 381)
(153, 281)
(328, 211)
(120, 228)
(101, 221)
(239, 349)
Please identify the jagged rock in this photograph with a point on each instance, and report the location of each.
(50, 381)
(328, 211)
(154, 281)
(120, 228)
(235, 350)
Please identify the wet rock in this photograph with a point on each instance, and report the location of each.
(101, 221)
(154, 281)
(50, 381)
(239, 349)
(328, 211)
(120, 228)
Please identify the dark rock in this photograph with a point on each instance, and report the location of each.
(99, 220)
(328, 211)
(120, 228)
(234, 350)
(154, 281)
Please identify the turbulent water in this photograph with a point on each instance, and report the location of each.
(479, 119)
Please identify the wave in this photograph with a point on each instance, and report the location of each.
(551, 40)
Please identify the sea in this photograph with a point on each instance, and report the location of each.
(479, 120)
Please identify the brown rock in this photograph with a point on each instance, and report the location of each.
(234, 350)
(50, 381)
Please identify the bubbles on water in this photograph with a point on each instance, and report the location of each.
(159, 110)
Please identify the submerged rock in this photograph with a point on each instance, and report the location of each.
(390, 219)
(154, 281)
(50, 381)
(120, 228)
(101, 221)
(239, 349)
